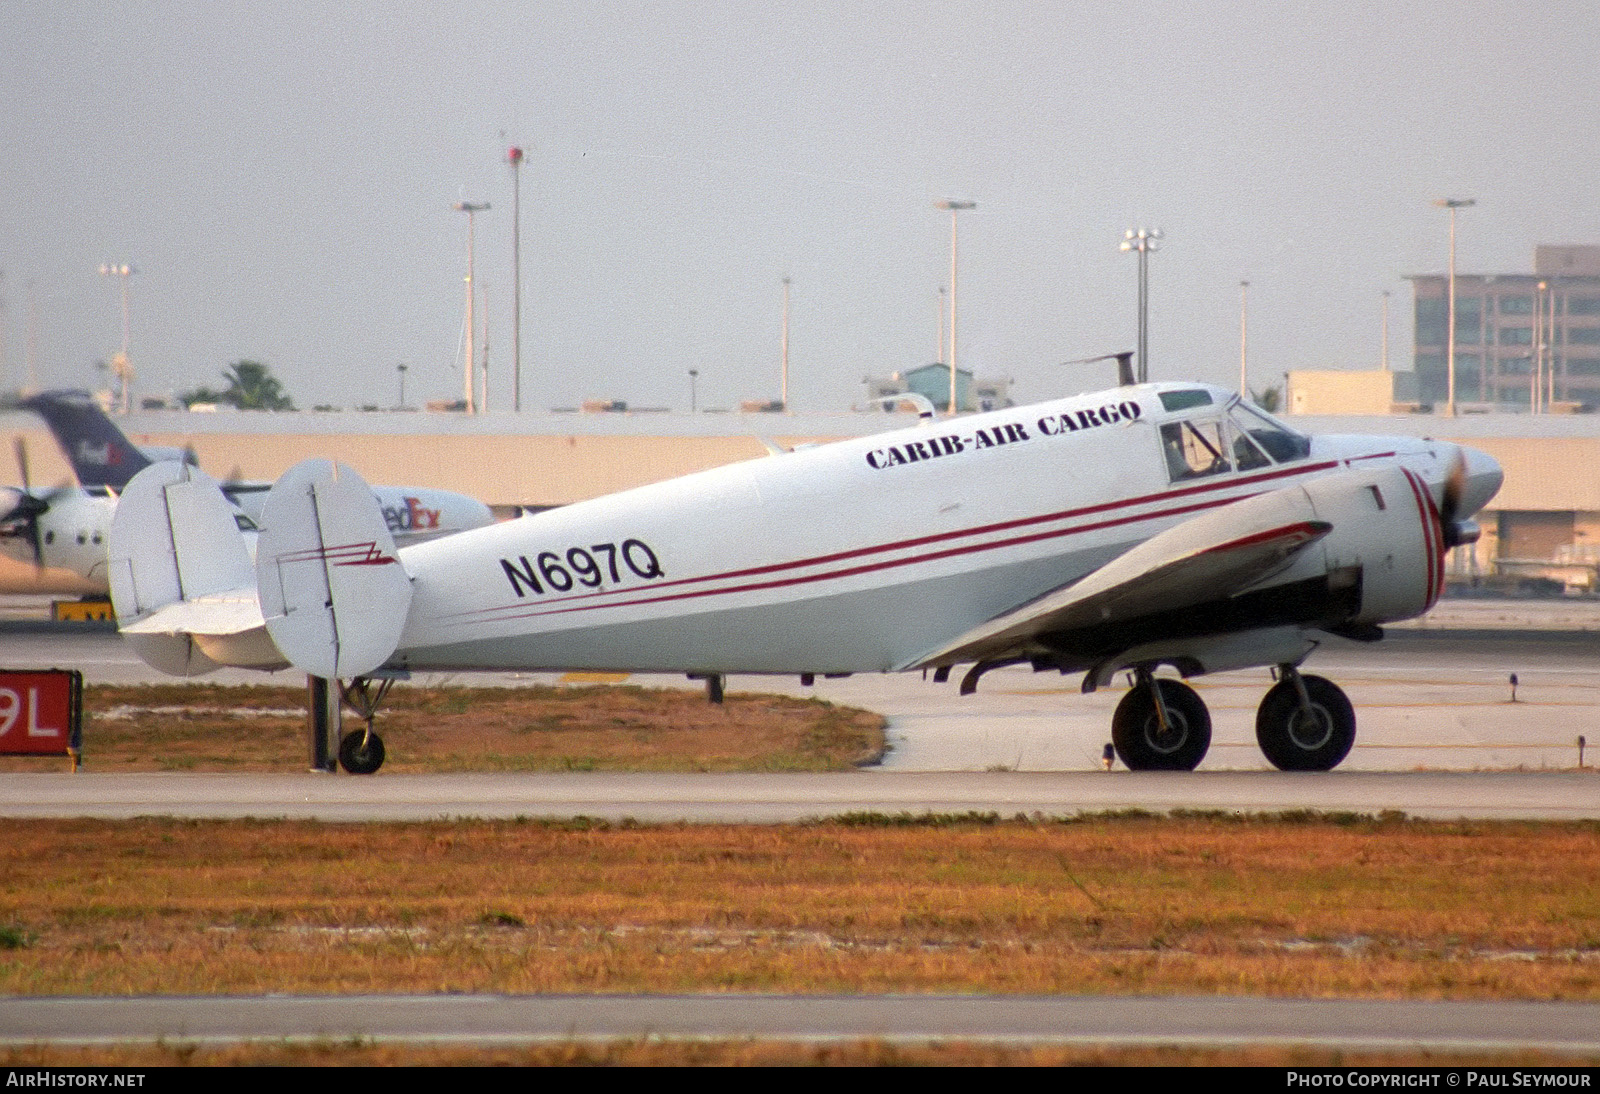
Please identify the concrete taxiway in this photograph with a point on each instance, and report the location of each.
(1427, 699)
(775, 799)
(1208, 1021)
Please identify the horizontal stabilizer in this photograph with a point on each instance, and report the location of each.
(219, 614)
(332, 589)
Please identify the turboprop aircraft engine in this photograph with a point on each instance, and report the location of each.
(1383, 556)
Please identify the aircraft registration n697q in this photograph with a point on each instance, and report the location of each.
(1148, 526)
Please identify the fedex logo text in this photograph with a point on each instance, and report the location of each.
(410, 517)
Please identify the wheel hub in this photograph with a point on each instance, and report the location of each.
(1310, 729)
(1169, 740)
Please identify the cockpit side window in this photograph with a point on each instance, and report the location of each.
(1194, 449)
(1276, 439)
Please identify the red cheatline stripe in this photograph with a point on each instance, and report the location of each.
(1431, 529)
(1297, 533)
(348, 554)
(541, 608)
(519, 610)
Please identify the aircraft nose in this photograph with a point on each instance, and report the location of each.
(1483, 480)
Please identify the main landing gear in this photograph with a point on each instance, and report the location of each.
(359, 752)
(1161, 725)
(1304, 723)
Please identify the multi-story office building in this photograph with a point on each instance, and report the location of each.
(1528, 339)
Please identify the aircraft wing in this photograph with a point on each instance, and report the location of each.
(1204, 559)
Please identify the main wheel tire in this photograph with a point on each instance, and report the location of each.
(360, 752)
(1294, 740)
(1143, 745)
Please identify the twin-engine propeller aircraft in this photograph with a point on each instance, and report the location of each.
(1145, 526)
(63, 531)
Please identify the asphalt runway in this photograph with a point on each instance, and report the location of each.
(787, 798)
(1196, 1022)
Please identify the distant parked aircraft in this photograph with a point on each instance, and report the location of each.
(62, 532)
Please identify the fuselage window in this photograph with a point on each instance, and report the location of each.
(1194, 450)
(1184, 400)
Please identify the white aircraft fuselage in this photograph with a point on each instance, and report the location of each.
(1144, 526)
(860, 555)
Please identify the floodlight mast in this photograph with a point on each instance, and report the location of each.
(954, 207)
(1452, 204)
(124, 371)
(514, 157)
(471, 209)
(1143, 241)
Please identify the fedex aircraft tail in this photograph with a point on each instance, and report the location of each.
(325, 591)
(99, 453)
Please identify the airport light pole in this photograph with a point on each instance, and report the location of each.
(401, 369)
(122, 271)
(694, 375)
(1452, 204)
(1384, 351)
(1244, 340)
(954, 207)
(514, 157)
(1143, 241)
(472, 209)
(1537, 390)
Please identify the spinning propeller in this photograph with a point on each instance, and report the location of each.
(1456, 529)
(23, 508)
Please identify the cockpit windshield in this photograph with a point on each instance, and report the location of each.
(1277, 440)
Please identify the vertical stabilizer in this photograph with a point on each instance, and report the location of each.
(101, 455)
(174, 541)
(332, 589)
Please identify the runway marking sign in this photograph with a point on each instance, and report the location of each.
(41, 713)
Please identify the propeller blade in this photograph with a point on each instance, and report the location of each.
(33, 541)
(1455, 530)
(20, 448)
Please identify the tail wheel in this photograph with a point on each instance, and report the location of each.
(1297, 738)
(1144, 744)
(361, 752)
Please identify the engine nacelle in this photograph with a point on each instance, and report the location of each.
(1387, 540)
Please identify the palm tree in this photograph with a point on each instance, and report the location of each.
(251, 386)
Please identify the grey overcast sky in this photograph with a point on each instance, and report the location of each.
(282, 174)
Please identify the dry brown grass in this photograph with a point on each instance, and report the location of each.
(188, 727)
(1124, 905)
